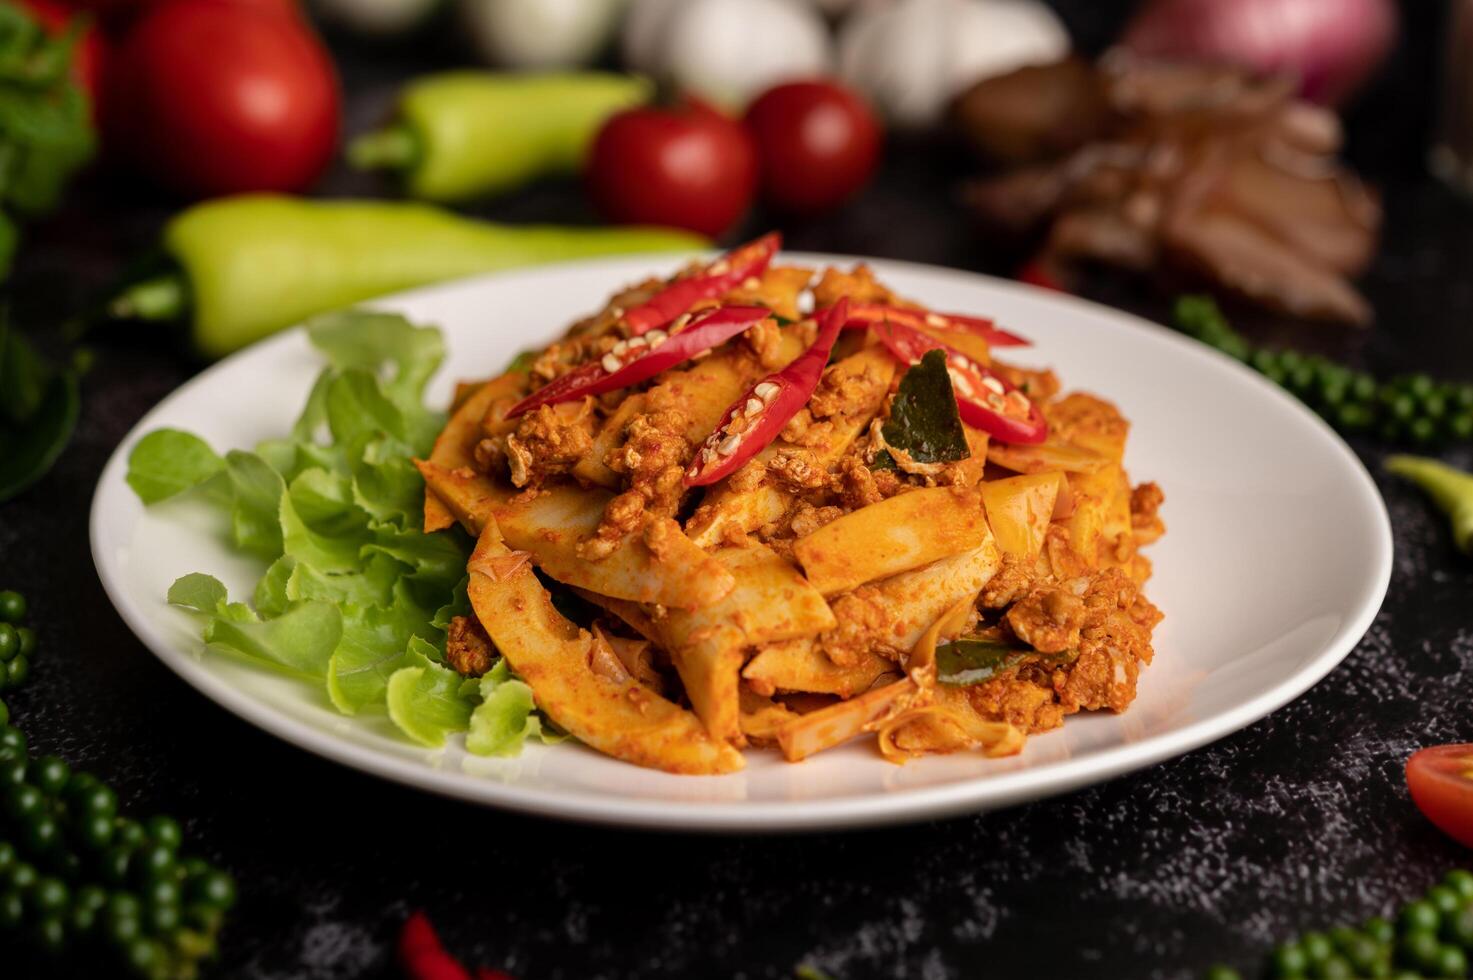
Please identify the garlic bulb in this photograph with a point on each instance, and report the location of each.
(541, 33)
(726, 51)
(912, 57)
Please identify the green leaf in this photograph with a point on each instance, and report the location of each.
(504, 719)
(300, 640)
(334, 550)
(374, 341)
(255, 512)
(924, 421)
(201, 592)
(970, 660)
(29, 450)
(167, 462)
(522, 363)
(424, 698)
(374, 646)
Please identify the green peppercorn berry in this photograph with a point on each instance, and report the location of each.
(1460, 881)
(7, 857)
(1459, 427)
(9, 642)
(81, 919)
(1302, 379)
(114, 865)
(1444, 899)
(93, 798)
(1434, 406)
(12, 738)
(1275, 372)
(122, 918)
(1334, 968)
(162, 919)
(152, 862)
(216, 889)
(95, 831)
(1422, 430)
(1458, 927)
(1220, 972)
(12, 606)
(23, 876)
(25, 803)
(1263, 359)
(164, 830)
(129, 833)
(50, 774)
(91, 897)
(1403, 408)
(27, 640)
(1418, 949)
(165, 891)
(1452, 962)
(144, 956)
(43, 833)
(1419, 916)
(1462, 396)
(13, 774)
(1363, 953)
(1420, 386)
(1290, 359)
(49, 895)
(50, 933)
(195, 867)
(1363, 387)
(1289, 961)
(1333, 394)
(12, 908)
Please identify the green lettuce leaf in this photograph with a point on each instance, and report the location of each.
(505, 717)
(353, 595)
(425, 699)
(167, 462)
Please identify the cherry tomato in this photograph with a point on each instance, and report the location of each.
(87, 57)
(1441, 783)
(818, 143)
(688, 167)
(224, 96)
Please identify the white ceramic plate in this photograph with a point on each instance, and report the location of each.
(1276, 559)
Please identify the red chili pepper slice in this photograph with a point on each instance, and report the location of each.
(767, 406)
(726, 273)
(868, 314)
(986, 400)
(422, 957)
(640, 358)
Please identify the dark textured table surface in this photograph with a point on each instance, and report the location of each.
(1300, 821)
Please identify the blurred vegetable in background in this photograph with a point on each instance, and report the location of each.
(1451, 490)
(462, 135)
(212, 97)
(38, 410)
(88, 52)
(1329, 46)
(45, 133)
(726, 51)
(817, 143)
(244, 267)
(911, 57)
(687, 166)
(378, 18)
(541, 33)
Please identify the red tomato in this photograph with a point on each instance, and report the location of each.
(224, 96)
(87, 58)
(818, 143)
(688, 167)
(1441, 783)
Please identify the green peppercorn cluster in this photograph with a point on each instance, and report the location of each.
(1411, 408)
(1432, 937)
(75, 875)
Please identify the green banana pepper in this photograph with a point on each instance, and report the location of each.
(254, 264)
(466, 134)
(1450, 489)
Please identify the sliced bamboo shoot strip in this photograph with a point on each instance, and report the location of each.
(621, 719)
(893, 536)
(799, 665)
(457, 441)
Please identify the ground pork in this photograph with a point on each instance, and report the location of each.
(467, 647)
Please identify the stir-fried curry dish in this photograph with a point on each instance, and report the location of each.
(766, 505)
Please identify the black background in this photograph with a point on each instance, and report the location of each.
(1301, 821)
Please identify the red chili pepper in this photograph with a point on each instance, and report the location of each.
(867, 314)
(640, 358)
(1037, 273)
(986, 400)
(767, 406)
(726, 273)
(421, 956)
(486, 973)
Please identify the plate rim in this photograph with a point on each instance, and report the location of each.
(968, 795)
